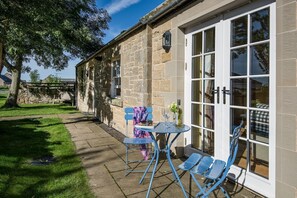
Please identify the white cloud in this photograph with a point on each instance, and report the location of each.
(119, 5)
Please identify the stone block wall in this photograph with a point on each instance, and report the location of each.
(135, 63)
(135, 69)
(162, 74)
(45, 96)
(85, 88)
(286, 92)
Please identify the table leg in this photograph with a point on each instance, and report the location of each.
(148, 167)
(175, 175)
(156, 153)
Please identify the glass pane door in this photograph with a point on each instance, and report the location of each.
(230, 77)
(202, 91)
(249, 88)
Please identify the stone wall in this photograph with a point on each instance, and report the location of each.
(135, 60)
(168, 73)
(37, 95)
(161, 73)
(286, 94)
(85, 86)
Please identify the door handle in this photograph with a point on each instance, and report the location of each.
(224, 94)
(217, 91)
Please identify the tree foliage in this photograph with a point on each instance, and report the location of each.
(50, 32)
(52, 79)
(34, 76)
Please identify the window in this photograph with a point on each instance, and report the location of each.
(116, 79)
(91, 73)
(250, 82)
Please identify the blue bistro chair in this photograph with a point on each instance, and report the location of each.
(215, 171)
(134, 143)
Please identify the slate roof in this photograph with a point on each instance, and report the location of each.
(5, 79)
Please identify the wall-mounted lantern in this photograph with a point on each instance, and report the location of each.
(98, 58)
(166, 41)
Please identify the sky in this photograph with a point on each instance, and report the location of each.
(124, 14)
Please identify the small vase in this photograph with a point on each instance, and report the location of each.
(175, 118)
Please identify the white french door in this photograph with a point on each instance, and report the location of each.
(230, 77)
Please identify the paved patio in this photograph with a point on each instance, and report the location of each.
(102, 153)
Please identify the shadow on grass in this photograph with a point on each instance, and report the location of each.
(20, 143)
(42, 107)
(37, 109)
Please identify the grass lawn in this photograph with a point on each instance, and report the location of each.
(34, 109)
(24, 140)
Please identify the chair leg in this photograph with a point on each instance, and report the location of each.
(216, 184)
(202, 191)
(126, 162)
(224, 191)
(129, 169)
(148, 167)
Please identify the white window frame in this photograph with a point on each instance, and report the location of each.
(115, 76)
(251, 180)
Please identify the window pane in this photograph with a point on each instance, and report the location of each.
(259, 126)
(239, 62)
(208, 91)
(197, 114)
(117, 82)
(197, 44)
(196, 138)
(209, 40)
(238, 92)
(239, 31)
(259, 92)
(118, 91)
(209, 116)
(260, 59)
(259, 159)
(196, 67)
(209, 142)
(241, 157)
(197, 91)
(114, 72)
(209, 66)
(236, 116)
(260, 25)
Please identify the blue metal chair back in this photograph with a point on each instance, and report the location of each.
(234, 145)
(216, 170)
(129, 113)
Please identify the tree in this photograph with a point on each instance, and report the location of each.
(50, 32)
(52, 79)
(34, 76)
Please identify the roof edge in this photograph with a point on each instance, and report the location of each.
(149, 18)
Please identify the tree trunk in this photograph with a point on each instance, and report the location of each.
(1, 56)
(15, 85)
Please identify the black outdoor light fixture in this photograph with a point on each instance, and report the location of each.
(166, 41)
(98, 58)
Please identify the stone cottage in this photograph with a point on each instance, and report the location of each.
(5, 80)
(227, 61)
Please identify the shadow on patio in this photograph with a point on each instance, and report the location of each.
(103, 153)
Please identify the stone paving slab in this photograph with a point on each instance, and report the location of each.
(102, 154)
